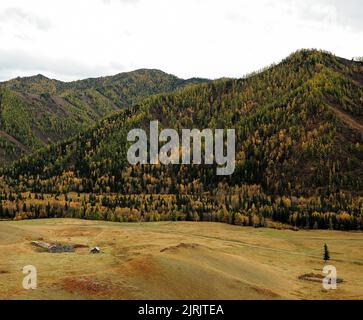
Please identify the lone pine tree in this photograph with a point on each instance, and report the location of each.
(326, 253)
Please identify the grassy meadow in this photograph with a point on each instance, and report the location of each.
(175, 260)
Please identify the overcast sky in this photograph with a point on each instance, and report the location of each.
(74, 39)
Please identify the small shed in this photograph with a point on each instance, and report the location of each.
(95, 250)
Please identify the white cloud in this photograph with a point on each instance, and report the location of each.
(210, 38)
(14, 63)
(17, 16)
(121, 1)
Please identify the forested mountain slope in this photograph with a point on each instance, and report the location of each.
(299, 149)
(36, 111)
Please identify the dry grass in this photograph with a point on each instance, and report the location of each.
(176, 261)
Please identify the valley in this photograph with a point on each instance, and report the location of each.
(184, 260)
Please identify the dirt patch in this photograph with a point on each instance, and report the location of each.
(72, 231)
(358, 78)
(21, 146)
(80, 246)
(144, 266)
(265, 292)
(86, 286)
(351, 120)
(315, 277)
(181, 246)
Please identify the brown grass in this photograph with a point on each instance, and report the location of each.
(181, 260)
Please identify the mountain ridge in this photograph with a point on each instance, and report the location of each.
(299, 154)
(314, 84)
(36, 110)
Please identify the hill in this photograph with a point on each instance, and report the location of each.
(299, 152)
(36, 111)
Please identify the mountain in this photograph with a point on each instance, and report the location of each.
(299, 152)
(36, 111)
